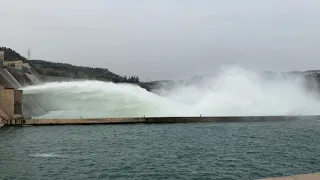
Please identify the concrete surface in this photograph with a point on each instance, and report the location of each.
(34, 79)
(10, 78)
(315, 176)
(18, 103)
(10, 102)
(150, 120)
(7, 102)
(31, 106)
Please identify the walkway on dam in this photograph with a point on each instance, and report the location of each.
(149, 120)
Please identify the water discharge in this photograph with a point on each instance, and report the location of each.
(233, 91)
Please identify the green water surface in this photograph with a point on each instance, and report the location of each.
(163, 151)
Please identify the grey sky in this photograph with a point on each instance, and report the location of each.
(166, 39)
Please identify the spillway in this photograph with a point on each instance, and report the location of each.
(234, 92)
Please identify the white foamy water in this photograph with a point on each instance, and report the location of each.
(232, 92)
(47, 155)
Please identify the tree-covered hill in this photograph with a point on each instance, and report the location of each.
(47, 68)
(11, 55)
(79, 72)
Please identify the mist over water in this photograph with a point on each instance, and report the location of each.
(233, 91)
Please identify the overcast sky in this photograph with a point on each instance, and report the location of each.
(166, 39)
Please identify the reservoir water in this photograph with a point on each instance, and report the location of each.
(163, 151)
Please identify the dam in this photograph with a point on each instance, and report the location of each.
(256, 129)
(155, 120)
(33, 102)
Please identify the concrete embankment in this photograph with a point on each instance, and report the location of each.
(34, 79)
(9, 80)
(315, 176)
(31, 107)
(150, 120)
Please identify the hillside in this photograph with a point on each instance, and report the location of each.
(64, 70)
(79, 72)
(10, 54)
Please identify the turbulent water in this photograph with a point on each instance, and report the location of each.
(234, 91)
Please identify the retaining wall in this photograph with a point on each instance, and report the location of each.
(34, 79)
(161, 120)
(31, 106)
(7, 102)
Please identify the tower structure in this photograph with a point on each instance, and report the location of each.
(29, 54)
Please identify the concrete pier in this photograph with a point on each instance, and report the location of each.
(150, 120)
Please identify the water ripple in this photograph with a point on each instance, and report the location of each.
(172, 151)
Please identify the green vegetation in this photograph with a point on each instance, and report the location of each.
(79, 72)
(68, 71)
(11, 55)
(47, 68)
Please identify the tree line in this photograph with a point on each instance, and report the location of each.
(10, 54)
(80, 72)
(69, 71)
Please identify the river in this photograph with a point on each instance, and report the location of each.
(161, 151)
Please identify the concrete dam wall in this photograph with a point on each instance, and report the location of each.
(34, 79)
(9, 79)
(158, 120)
